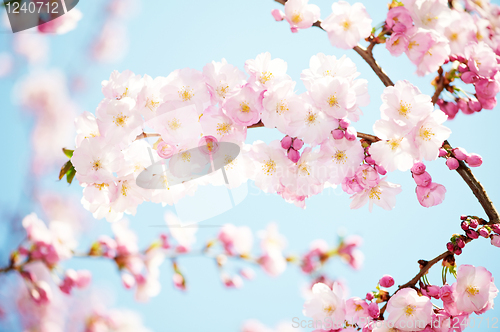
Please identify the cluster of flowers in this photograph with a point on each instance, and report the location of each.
(139, 269)
(469, 225)
(454, 155)
(409, 309)
(428, 192)
(219, 104)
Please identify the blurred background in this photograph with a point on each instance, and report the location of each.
(155, 38)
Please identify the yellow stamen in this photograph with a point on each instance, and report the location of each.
(340, 157)
(394, 143)
(269, 167)
(265, 76)
(222, 90)
(186, 156)
(185, 93)
(472, 291)
(223, 128)
(174, 124)
(404, 109)
(426, 133)
(346, 24)
(120, 120)
(244, 107)
(329, 310)
(296, 18)
(281, 107)
(97, 165)
(333, 101)
(409, 310)
(311, 118)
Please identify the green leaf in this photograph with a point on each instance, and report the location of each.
(70, 175)
(64, 170)
(68, 152)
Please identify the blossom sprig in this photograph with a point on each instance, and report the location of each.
(139, 269)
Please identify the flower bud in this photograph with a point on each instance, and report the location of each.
(293, 155)
(464, 225)
(484, 232)
(460, 243)
(418, 168)
(460, 153)
(337, 134)
(495, 228)
(463, 217)
(474, 223)
(373, 310)
(351, 134)
(442, 152)
(278, 15)
(452, 163)
(297, 144)
(463, 68)
(453, 57)
(472, 234)
(344, 123)
(457, 251)
(450, 247)
(423, 179)
(370, 160)
(369, 296)
(286, 142)
(475, 105)
(386, 281)
(469, 77)
(380, 170)
(474, 160)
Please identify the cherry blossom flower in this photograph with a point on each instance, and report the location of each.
(347, 24)
(186, 87)
(357, 311)
(265, 72)
(430, 195)
(120, 85)
(222, 78)
(279, 106)
(407, 309)
(333, 96)
(383, 195)
(236, 240)
(244, 106)
(150, 97)
(342, 157)
(86, 126)
(300, 14)
(474, 289)
(326, 303)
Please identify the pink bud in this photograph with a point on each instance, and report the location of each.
(208, 145)
(474, 223)
(457, 251)
(386, 281)
(452, 163)
(442, 152)
(460, 153)
(472, 234)
(463, 217)
(469, 77)
(460, 243)
(369, 296)
(344, 123)
(450, 247)
(418, 168)
(461, 58)
(465, 225)
(453, 57)
(179, 281)
(278, 15)
(41, 293)
(463, 68)
(128, 280)
(337, 134)
(474, 160)
(297, 144)
(423, 179)
(293, 155)
(351, 134)
(294, 29)
(495, 228)
(370, 160)
(484, 232)
(286, 142)
(373, 310)
(433, 291)
(380, 170)
(475, 105)
(495, 240)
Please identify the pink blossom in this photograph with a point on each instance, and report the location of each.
(222, 78)
(495, 240)
(166, 150)
(62, 24)
(186, 87)
(474, 160)
(333, 96)
(406, 309)
(399, 19)
(244, 106)
(452, 163)
(357, 311)
(342, 157)
(347, 24)
(236, 240)
(398, 43)
(300, 14)
(265, 72)
(278, 15)
(481, 59)
(474, 289)
(431, 195)
(326, 303)
(383, 195)
(367, 176)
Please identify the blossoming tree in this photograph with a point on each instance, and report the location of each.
(163, 139)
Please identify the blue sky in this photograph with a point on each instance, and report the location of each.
(168, 35)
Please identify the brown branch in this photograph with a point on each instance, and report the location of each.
(370, 60)
(368, 137)
(146, 135)
(439, 86)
